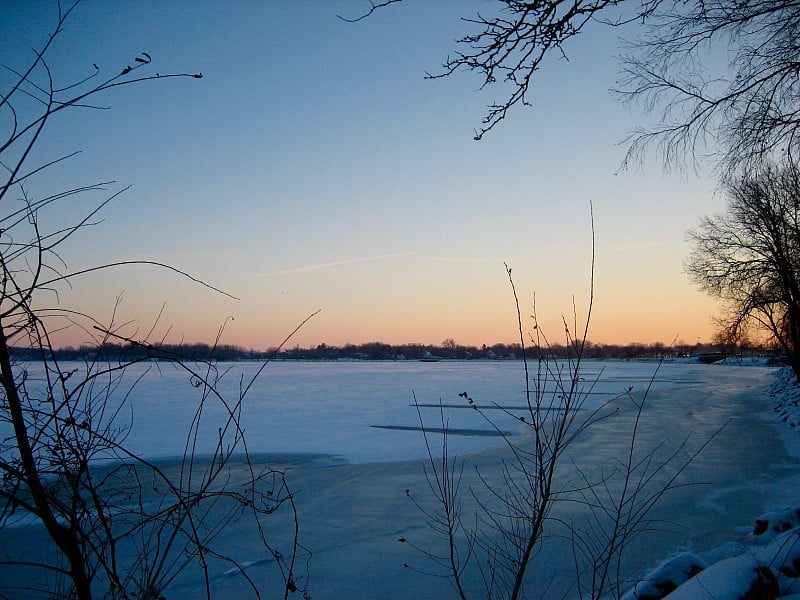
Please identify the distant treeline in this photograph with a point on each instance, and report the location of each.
(448, 350)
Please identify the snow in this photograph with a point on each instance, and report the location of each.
(729, 579)
(765, 572)
(785, 394)
(770, 524)
(667, 576)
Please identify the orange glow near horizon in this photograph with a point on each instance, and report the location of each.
(666, 314)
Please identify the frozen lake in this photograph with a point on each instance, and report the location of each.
(364, 411)
(352, 515)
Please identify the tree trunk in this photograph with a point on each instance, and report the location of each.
(64, 537)
(793, 343)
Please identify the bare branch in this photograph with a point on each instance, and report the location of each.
(373, 7)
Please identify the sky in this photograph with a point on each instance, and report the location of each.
(314, 168)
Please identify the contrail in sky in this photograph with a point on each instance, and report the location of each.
(335, 263)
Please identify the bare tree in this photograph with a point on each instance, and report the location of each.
(119, 526)
(749, 257)
(724, 74)
(746, 105)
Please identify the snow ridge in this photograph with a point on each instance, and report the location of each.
(785, 394)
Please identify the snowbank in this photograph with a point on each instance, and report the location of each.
(748, 361)
(785, 394)
(762, 573)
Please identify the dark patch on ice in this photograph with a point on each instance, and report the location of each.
(495, 407)
(648, 379)
(449, 430)
(502, 407)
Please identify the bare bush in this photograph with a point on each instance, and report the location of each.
(499, 523)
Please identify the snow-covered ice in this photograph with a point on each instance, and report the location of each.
(357, 411)
(767, 566)
(353, 506)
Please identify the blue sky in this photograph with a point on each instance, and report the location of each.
(313, 167)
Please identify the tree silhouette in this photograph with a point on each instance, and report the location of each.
(747, 105)
(749, 256)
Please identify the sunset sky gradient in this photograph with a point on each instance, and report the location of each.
(313, 167)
